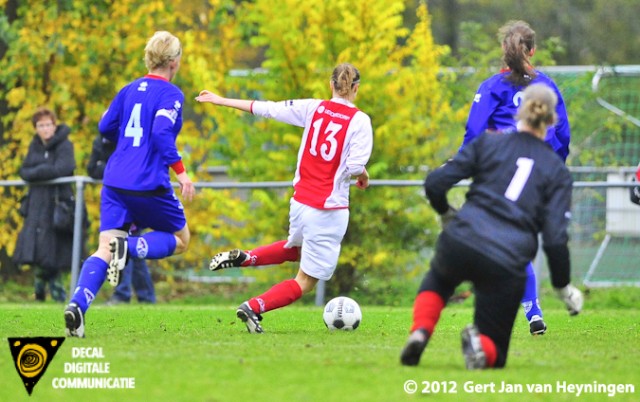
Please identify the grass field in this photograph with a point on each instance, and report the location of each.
(203, 353)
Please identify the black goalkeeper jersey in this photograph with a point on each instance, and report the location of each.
(520, 188)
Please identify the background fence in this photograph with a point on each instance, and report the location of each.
(604, 233)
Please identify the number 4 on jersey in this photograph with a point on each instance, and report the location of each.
(134, 127)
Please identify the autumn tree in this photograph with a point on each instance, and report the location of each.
(389, 226)
(74, 56)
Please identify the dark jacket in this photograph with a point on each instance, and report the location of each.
(520, 188)
(38, 243)
(100, 152)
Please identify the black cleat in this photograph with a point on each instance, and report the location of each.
(227, 259)
(474, 356)
(537, 326)
(74, 321)
(250, 319)
(414, 347)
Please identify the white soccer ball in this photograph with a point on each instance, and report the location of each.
(342, 313)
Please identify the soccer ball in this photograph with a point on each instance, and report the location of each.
(342, 313)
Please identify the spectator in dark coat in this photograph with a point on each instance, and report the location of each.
(46, 250)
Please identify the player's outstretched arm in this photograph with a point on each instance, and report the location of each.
(210, 97)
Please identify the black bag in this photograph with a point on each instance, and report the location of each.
(634, 193)
(24, 205)
(64, 213)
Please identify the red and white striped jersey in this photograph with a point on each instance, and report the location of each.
(336, 145)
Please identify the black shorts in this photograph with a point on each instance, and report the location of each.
(498, 291)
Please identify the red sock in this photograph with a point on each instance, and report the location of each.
(426, 311)
(271, 254)
(280, 295)
(489, 350)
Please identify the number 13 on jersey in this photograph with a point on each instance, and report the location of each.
(329, 144)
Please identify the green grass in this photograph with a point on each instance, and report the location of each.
(203, 353)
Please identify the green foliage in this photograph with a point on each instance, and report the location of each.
(589, 121)
(594, 32)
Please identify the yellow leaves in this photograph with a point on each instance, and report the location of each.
(292, 139)
(380, 257)
(16, 96)
(119, 9)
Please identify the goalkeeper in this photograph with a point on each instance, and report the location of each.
(520, 188)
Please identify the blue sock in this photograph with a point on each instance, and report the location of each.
(530, 298)
(92, 276)
(152, 245)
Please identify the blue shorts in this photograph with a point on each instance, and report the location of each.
(161, 212)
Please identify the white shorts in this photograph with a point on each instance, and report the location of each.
(319, 233)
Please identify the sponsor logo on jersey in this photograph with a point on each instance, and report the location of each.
(143, 86)
(476, 98)
(323, 110)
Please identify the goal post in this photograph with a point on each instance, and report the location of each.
(616, 260)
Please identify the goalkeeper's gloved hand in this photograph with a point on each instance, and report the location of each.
(572, 298)
(448, 216)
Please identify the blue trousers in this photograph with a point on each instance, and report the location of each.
(135, 274)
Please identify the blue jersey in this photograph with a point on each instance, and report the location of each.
(144, 120)
(496, 104)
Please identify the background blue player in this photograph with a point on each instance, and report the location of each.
(144, 120)
(494, 108)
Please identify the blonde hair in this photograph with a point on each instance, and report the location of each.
(345, 77)
(538, 109)
(161, 48)
(518, 40)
